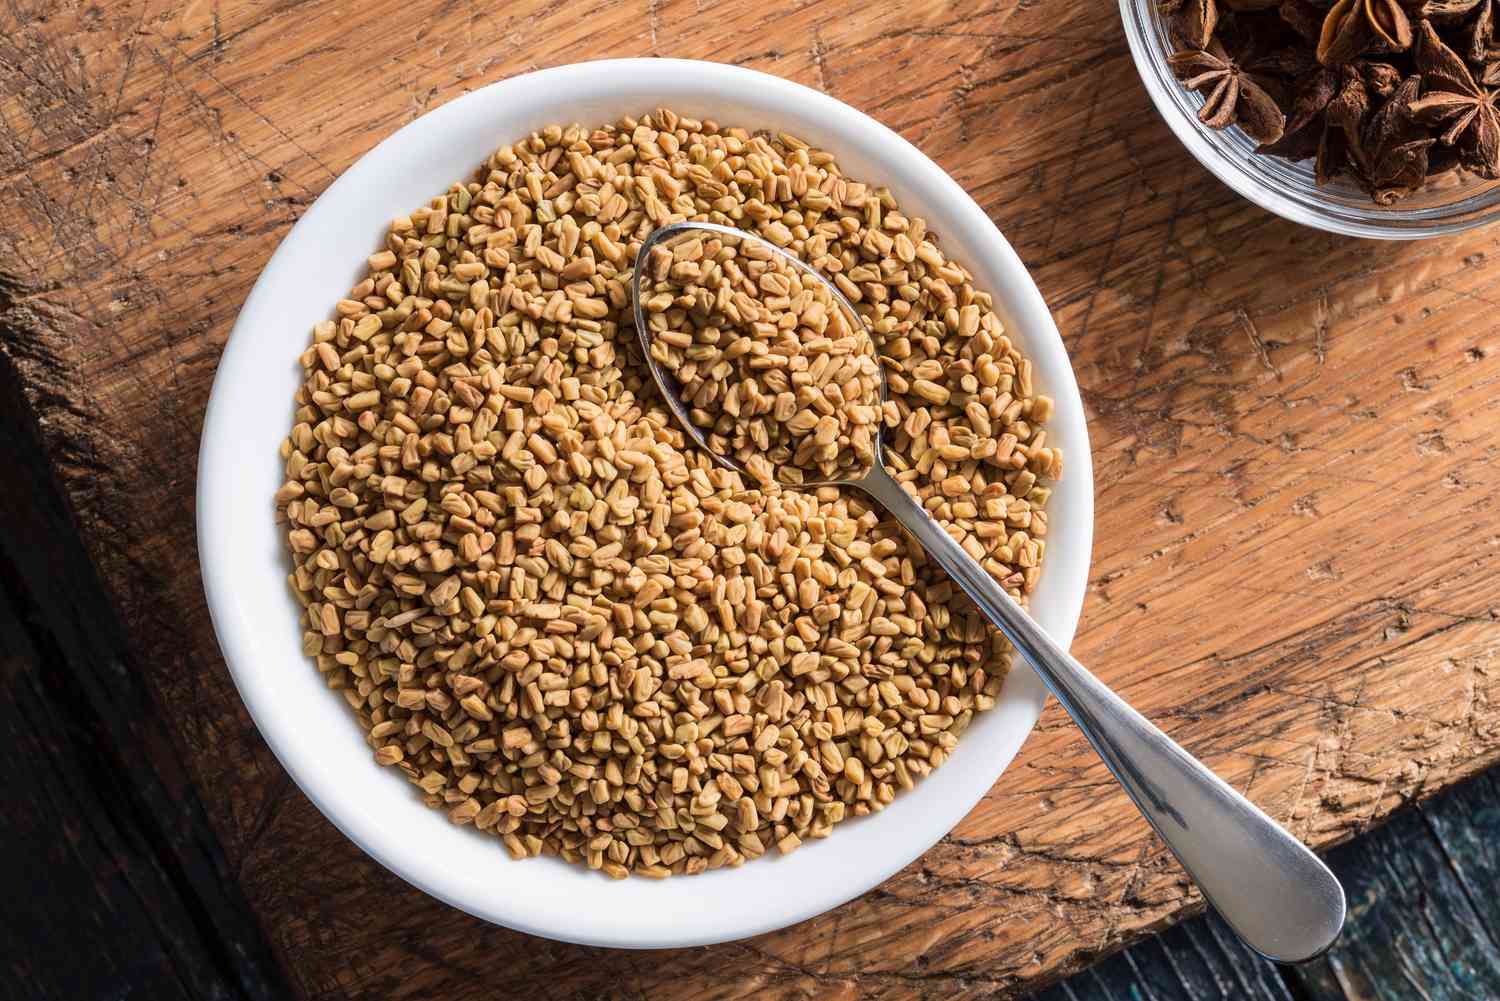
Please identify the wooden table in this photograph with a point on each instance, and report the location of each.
(1293, 437)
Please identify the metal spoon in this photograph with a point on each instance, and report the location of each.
(1275, 893)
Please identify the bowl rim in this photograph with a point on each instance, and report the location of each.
(1266, 181)
(525, 904)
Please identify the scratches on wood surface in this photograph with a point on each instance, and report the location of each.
(1293, 437)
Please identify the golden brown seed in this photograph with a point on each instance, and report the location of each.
(570, 629)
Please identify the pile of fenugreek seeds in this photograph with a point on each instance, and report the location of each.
(568, 627)
(774, 371)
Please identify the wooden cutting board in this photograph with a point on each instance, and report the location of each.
(1294, 437)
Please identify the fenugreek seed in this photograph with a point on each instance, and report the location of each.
(930, 391)
(363, 401)
(565, 625)
(464, 812)
(367, 327)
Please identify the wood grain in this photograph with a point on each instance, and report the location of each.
(1417, 876)
(1293, 436)
(1199, 959)
(115, 882)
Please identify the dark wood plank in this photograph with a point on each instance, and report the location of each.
(1416, 902)
(115, 887)
(1199, 959)
(1466, 823)
(75, 927)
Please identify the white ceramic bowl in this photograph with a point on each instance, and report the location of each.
(245, 564)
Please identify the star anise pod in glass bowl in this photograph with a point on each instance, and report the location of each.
(1381, 79)
(1477, 41)
(1395, 146)
(1191, 23)
(1386, 94)
(1231, 96)
(1444, 11)
(1308, 121)
(1453, 101)
(1355, 27)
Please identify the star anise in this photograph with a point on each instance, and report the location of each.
(1479, 40)
(1386, 93)
(1192, 22)
(1342, 148)
(1445, 11)
(1452, 100)
(1353, 28)
(1271, 47)
(1316, 90)
(1305, 121)
(1401, 171)
(1381, 78)
(1396, 145)
(1231, 96)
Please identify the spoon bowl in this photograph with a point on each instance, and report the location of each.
(669, 235)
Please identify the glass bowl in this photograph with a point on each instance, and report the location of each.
(1449, 204)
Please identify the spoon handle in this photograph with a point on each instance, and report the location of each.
(1275, 893)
